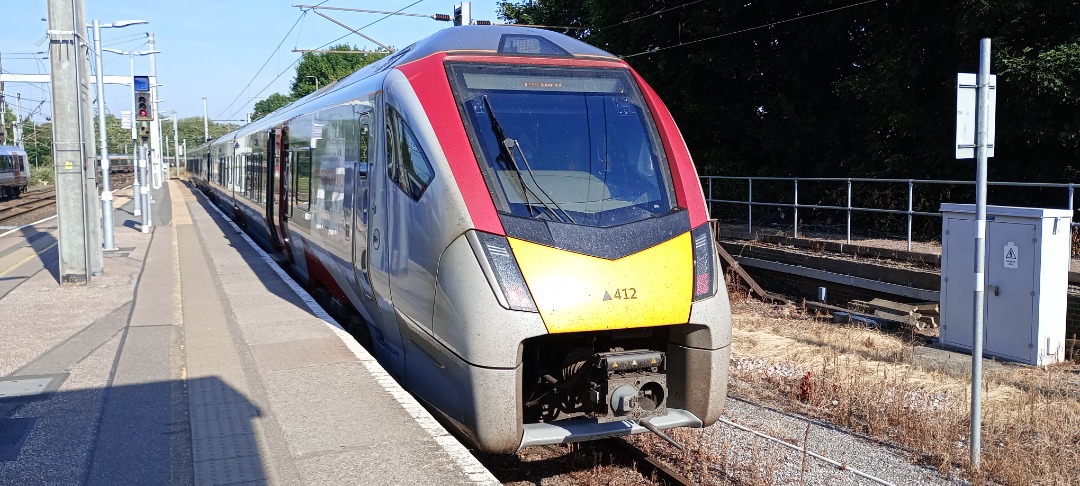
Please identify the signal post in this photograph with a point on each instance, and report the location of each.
(144, 114)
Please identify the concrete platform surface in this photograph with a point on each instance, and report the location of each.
(194, 360)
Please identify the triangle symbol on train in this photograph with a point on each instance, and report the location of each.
(607, 296)
(1010, 254)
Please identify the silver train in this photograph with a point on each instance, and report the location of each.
(515, 224)
(14, 171)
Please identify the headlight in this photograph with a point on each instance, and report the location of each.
(503, 272)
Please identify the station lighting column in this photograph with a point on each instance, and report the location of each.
(106, 193)
(176, 144)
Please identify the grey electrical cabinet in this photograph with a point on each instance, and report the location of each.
(1026, 281)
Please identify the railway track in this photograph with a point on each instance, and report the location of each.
(36, 201)
(649, 466)
(25, 205)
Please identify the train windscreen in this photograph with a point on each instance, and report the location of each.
(575, 145)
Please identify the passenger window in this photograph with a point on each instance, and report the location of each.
(407, 165)
(302, 179)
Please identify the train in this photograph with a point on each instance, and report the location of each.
(510, 220)
(14, 171)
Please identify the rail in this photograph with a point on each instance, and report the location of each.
(708, 184)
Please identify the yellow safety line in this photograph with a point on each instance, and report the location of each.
(27, 259)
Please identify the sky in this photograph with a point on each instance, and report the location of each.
(210, 48)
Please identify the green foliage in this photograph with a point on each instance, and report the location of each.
(42, 175)
(191, 129)
(273, 102)
(861, 91)
(328, 67)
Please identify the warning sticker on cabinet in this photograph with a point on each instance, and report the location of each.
(1012, 255)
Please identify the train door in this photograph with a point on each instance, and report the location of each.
(360, 206)
(283, 161)
(385, 336)
(273, 148)
(18, 166)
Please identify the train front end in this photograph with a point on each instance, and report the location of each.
(599, 307)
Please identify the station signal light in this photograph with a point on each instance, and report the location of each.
(144, 132)
(142, 106)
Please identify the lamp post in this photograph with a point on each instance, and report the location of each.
(316, 81)
(106, 192)
(156, 173)
(176, 144)
(136, 185)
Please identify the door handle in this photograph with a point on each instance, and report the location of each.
(995, 289)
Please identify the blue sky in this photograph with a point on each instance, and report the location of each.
(210, 48)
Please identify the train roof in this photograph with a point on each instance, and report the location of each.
(11, 149)
(487, 39)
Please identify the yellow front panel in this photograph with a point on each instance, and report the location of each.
(576, 292)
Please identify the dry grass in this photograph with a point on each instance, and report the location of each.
(868, 382)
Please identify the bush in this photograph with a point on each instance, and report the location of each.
(41, 176)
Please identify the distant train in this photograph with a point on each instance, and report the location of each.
(121, 163)
(516, 222)
(14, 171)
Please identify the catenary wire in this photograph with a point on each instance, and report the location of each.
(265, 63)
(295, 62)
(616, 24)
(762, 26)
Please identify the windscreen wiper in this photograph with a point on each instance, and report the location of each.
(506, 147)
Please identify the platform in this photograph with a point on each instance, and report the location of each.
(194, 360)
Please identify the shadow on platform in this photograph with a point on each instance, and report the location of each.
(165, 432)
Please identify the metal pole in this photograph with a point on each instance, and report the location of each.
(796, 207)
(466, 13)
(147, 148)
(910, 206)
(205, 122)
(16, 126)
(981, 120)
(106, 192)
(136, 186)
(74, 261)
(176, 144)
(155, 126)
(3, 110)
(849, 211)
(750, 208)
(144, 157)
(709, 199)
(86, 127)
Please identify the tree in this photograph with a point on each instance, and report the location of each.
(38, 142)
(328, 67)
(273, 102)
(190, 129)
(794, 88)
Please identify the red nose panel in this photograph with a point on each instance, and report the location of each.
(428, 78)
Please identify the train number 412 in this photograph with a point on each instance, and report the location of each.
(627, 293)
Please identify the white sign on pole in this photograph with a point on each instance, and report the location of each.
(966, 90)
(125, 120)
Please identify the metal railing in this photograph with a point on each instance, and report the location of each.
(707, 183)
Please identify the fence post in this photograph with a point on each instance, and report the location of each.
(849, 211)
(796, 207)
(910, 198)
(709, 199)
(1070, 197)
(750, 209)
